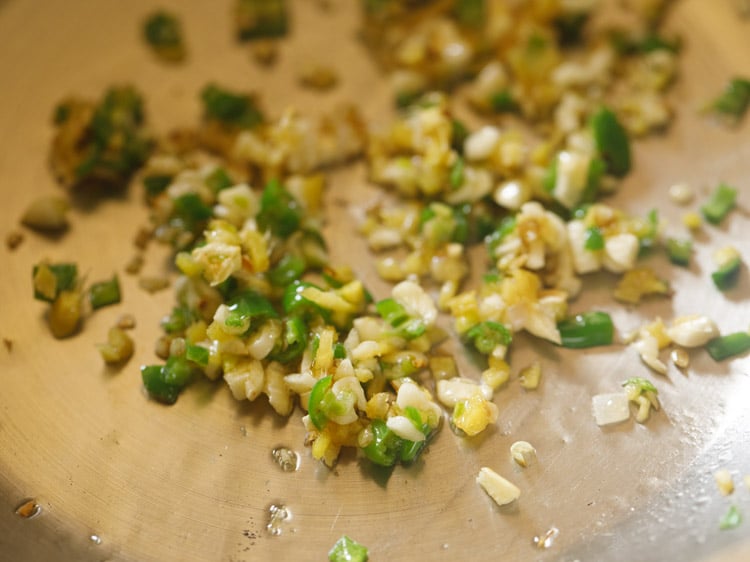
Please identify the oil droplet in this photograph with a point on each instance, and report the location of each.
(28, 509)
(95, 539)
(445, 546)
(287, 459)
(545, 541)
(278, 514)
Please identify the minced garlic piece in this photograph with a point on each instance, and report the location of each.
(523, 453)
(724, 481)
(498, 488)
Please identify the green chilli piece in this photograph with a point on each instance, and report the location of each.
(593, 239)
(612, 142)
(218, 179)
(728, 346)
(178, 320)
(165, 382)
(104, 293)
(395, 314)
(734, 101)
(197, 354)
(731, 519)
(295, 304)
(385, 447)
(66, 276)
(156, 184)
(248, 306)
(486, 336)
(347, 550)
(279, 211)
(315, 403)
(293, 342)
(506, 227)
(589, 329)
(162, 31)
(643, 385)
(339, 351)
(289, 268)
(722, 200)
(728, 274)
(457, 173)
(679, 251)
(503, 102)
(229, 108)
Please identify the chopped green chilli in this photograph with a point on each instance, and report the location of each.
(163, 32)
(733, 102)
(164, 383)
(347, 550)
(586, 330)
(721, 202)
(728, 346)
(488, 335)
(679, 251)
(229, 108)
(731, 519)
(256, 19)
(52, 279)
(104, 293)
(611, 141)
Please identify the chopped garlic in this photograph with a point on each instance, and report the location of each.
(498, 488)
(681, 193)
(523, 453)
(692, 331)
(610, 408)
(531, 375)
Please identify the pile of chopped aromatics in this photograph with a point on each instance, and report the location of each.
(240, 200)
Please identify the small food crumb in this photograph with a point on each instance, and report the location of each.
(13, 240)
(153, 284)
(134, 265)
(681, 193)
(680, 358)
(724, 481)
(531, 375)
(264, 52)
(692, 220)
(498, 488)
(126, 322)
(143, 237)
(523, 453)
(318, 77)
(8, 343)
(119, 347)
(28, 509)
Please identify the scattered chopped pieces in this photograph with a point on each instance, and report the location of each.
(13, 240)
(523, 453)
(52, 279)
(724, 481)
(163, 32)
(119, 347)
(610, 408)
(731, 519)
(727, 346)
(229, 108)
(347, 550)
(722, 200)
(47, 213)
(498, 488)
(165, 382)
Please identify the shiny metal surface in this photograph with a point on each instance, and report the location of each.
(195, 481)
